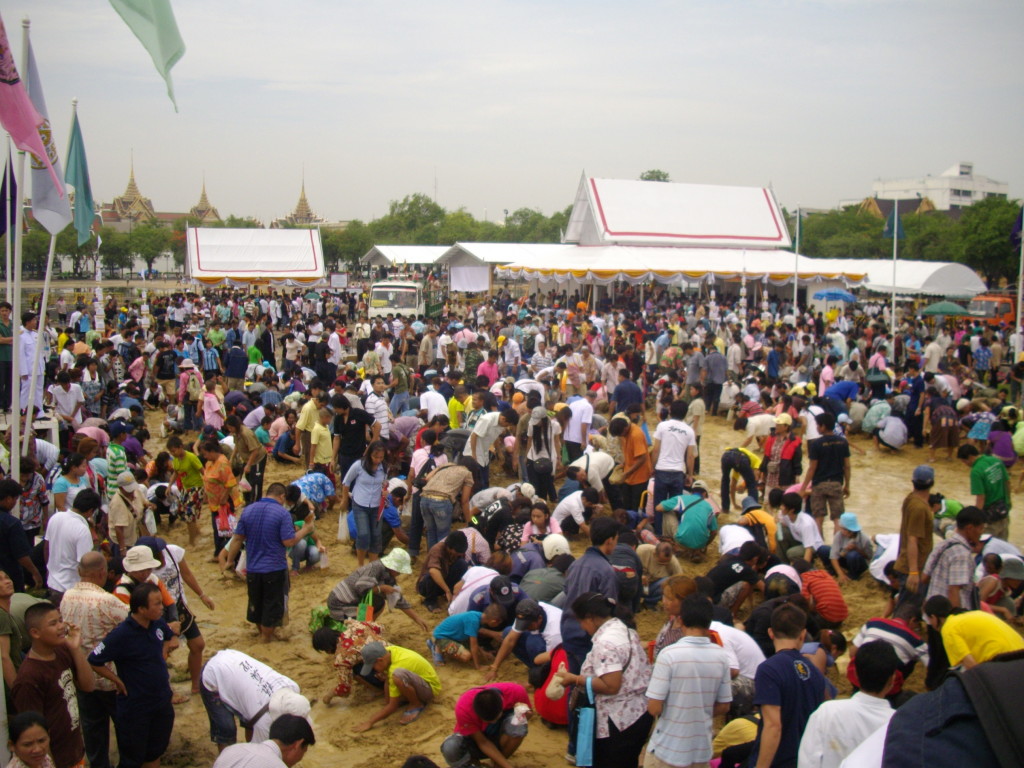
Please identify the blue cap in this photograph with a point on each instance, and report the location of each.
(848, 520)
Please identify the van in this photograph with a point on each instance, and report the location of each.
(995, 308)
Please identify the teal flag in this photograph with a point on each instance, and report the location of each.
(893, 224)
(153, 23)
(77, 175)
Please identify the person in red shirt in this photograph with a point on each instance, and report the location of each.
(490, 723)
(823, 593)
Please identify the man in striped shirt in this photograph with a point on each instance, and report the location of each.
(377, 406)
(902, 633)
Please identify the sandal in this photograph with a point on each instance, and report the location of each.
(411, 714)
(180, 698)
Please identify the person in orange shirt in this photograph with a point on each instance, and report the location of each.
(636, 468)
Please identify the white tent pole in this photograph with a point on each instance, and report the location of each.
(895, 241)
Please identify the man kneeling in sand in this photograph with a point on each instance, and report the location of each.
(410, 678)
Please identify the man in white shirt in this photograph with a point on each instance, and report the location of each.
(383, 350)
(673, 453)
(513, 356)
(377, 406)
(290, 737)
(432, 401)
(836, 728)
(67, 539)
(744, 657)
(597, 464)
(582, 411)
(932, 355)
(574, 510)
(802, 528)
(485, 433)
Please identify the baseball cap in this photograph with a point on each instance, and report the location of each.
(784, 418)
(923, 475)
(140, 558)
(371, 653)
(116, 428)
(848, 520)
(126, 481)
(397, 560)
(555, 544)
(699, 485)
(527, 612)
(501, 590)
(750, 503)
(844, 418)
(1012, 569)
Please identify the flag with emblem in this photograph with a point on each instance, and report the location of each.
(50, 205)
(17, 115)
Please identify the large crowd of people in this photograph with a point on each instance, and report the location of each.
(522, 478)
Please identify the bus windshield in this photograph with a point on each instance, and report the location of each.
(983, 308)
(393, 297)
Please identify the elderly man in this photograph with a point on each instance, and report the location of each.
(659, 562)
(96, 612)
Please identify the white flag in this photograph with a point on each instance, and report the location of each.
(49, 201)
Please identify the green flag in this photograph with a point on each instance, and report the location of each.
(153, 23)
(893, 224)
(77, 175)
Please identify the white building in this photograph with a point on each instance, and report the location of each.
(955, 188)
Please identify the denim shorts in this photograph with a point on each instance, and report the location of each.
(223, 729)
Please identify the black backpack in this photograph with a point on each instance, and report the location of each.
(420, 481)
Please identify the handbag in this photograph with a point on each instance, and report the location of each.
(543, 466)
(365, 611)
(585, 715)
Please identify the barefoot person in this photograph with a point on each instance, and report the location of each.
(410, 679)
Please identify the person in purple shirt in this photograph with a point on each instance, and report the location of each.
(266, 528)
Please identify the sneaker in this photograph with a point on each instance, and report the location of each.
(438, 658)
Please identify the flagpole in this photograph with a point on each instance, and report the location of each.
(796, 262)
(19, 217)
(7, 213)
(895, 240)
(1020, 298)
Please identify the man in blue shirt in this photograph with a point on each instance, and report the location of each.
(913, 417)
(266, 528)
(788, 689)
(144, 716)
(626, 393)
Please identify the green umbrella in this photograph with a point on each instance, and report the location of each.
(947, 308)
(312, 295)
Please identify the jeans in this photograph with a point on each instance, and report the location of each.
(191, 418)
(733, 460)
(96, 711)
(712, 394)
(398, 402)
(437, 518)
(653, 596)
(573, 450)
(368, 537)
(852, 561)
(667, 483)
(303, 550)
(415, 527)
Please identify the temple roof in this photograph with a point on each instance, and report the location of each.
(132, 205)
(203, 210)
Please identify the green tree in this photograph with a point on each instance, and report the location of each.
(843, 233)
(114, 253)
(67, 245)
(412, 221)
(984, 243)
(149, 242)
(344, 247)
(457, 226)
(931, 236)
(654, 175)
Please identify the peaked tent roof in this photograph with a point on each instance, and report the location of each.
(478, 254)
(241, 256)
(627, 212)
(390, 255)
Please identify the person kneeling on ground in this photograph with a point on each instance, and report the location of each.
(534, 636)
(454, 634)
(490, 724)
(409, 678)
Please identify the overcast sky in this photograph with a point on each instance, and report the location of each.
(509, 102)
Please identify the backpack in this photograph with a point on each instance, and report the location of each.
(420, 481)
(194, 388)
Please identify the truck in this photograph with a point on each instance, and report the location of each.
(995, 308)
(404, 297)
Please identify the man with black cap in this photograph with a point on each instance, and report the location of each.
(533, 637)
(501, 590)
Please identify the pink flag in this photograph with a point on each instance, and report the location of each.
(17, 115)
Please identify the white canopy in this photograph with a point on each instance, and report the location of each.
(471, 265)
(929, 278)
(244, 256)
(630, 212)
(637, 264)
(398, 255)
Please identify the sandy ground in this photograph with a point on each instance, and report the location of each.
(879, 484)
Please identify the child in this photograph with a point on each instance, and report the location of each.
(410, 678)
(451, 636)
(262, 432)
(572, 482)
(308, 548)
(540, 524)
(213, 406)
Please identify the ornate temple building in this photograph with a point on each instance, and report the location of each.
(132, 208)
(302, 216)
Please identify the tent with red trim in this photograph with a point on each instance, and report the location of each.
(217, 256)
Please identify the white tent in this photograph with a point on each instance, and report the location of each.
(629, 212)
(254, 256)
(928, 278)
(400, 255)
(471, 265)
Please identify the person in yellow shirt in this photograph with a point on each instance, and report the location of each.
(308, 419)
(738, 463)
(322, 444)
(754, 514)
(973, 637)
(457, 407)
(408, 678)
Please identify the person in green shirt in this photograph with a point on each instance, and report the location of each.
(697, 524)
(409, 678)
(255, 356)
(117, 458)
(216, 335)
(945, 511)
(188, 469)
(990, 484)
(400, 388)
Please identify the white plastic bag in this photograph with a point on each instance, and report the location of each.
(343, 534)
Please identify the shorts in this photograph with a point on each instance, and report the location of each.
(189, 625)
(459, 750)
(422, 688)
(827, 497)
(450, 648)
(653, 761)
(266, 597)
(223, 729)
(170, 388)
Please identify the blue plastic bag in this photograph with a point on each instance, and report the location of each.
(586, 729)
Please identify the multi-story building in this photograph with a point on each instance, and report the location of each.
(954, 188)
